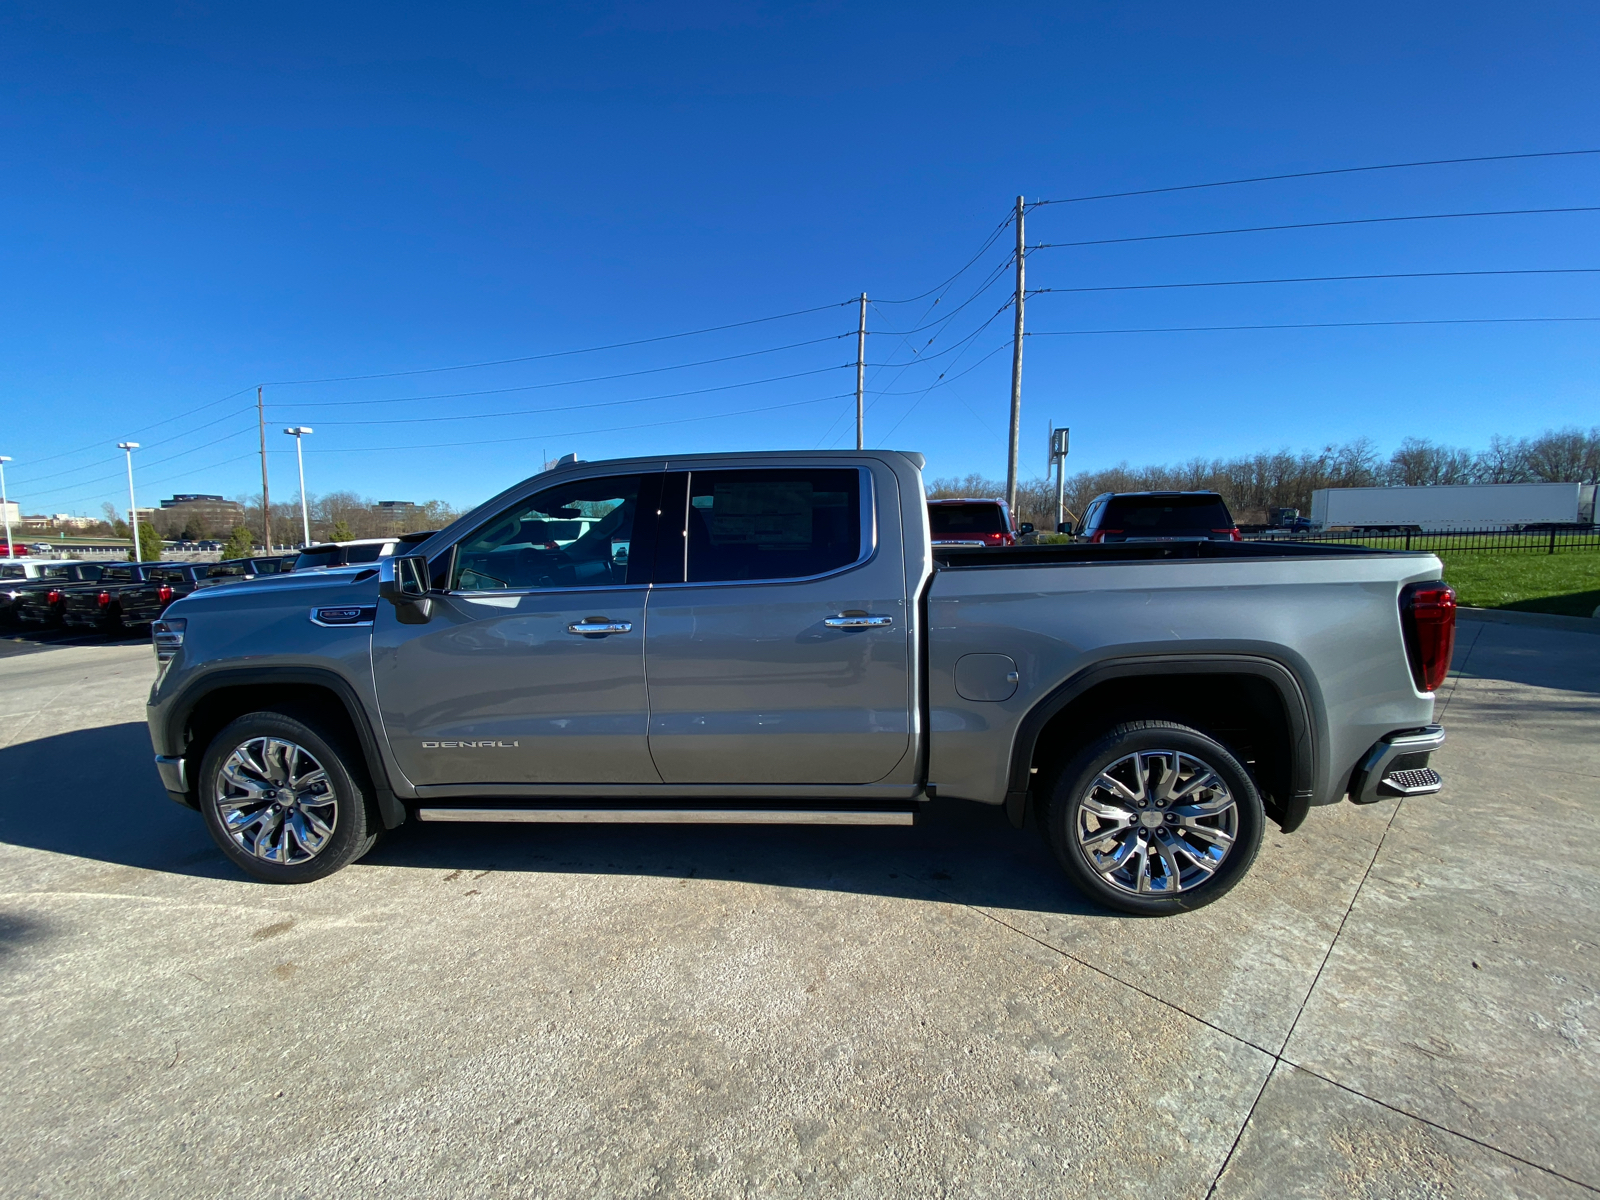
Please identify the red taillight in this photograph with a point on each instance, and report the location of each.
(1233, 533)
(52, 597)
(1428, 617)
(164, 593)
(998, 539)
(104, 599)
(1100, 534)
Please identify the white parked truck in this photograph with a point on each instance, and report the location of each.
(1453, 506)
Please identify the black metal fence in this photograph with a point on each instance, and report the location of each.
(1530, 541)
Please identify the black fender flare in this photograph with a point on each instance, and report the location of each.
(1303, 747)
(189, 697)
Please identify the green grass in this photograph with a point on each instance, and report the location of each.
(1567, 584)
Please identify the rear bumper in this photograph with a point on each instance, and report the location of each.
(1398, 766)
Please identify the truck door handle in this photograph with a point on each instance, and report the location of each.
(599, 627)
(858, 622)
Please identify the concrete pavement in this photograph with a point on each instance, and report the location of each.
(1400, 1000)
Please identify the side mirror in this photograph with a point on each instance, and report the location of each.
(1025, 528)
(403, 582)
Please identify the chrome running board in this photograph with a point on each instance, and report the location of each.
(670, 816)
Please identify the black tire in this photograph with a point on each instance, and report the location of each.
(343, 805)
(1160, 835)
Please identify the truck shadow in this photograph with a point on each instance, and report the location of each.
(93, 794)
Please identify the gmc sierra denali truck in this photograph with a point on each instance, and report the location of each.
(772, 638)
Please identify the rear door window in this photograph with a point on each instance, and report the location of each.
(772, 524)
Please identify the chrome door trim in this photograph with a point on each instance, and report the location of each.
(599, 628)
(670, 816)
(858, 622)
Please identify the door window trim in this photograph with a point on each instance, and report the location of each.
(868, 517)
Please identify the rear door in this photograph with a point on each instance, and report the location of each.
(531, 670)
(778, 649)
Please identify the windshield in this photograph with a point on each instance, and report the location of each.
(224, 570)
(1142, 516)
(957, 520)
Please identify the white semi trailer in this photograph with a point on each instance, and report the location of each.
(1453, 506)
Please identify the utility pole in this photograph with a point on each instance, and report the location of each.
(1016, 374)
(133, 508)
(266, 496)
(861, 377)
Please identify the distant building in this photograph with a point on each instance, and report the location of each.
(396, 516)
(11, 511)
(60, 521)
(212, 514)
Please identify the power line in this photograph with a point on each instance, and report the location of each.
(1435, 162)
(998, 230)
(143, 428)
(1143, 287)
(500, 362)
(1164, 237)
(156, 483)
(1307, 325)
(533, 387)
(164, 441)
(579, 433)
(525, 412)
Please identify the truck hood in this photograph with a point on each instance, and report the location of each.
(356, 584)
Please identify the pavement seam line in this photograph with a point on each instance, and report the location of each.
(1304, 1000)
(1134, 987)
(1466, 1137)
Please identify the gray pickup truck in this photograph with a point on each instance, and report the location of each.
(772, 638)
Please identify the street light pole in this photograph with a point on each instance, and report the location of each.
(133, 509)
(299, 431)
(5, 506)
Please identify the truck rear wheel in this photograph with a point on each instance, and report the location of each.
(1153, 818)
(286, 800)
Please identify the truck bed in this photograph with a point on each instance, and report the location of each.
(962, 557)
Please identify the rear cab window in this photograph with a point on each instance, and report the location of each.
(1167, 516)
(320, 556)
(965, 520)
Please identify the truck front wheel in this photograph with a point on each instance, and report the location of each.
(1153, 818)
(284, 799)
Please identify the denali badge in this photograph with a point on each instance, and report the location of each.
(468, 745)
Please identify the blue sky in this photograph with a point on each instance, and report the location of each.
(198, 199)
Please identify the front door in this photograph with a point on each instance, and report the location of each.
(531, 669)
(783, 655)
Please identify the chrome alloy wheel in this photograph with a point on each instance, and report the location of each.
(1157, 822)
(276, 801)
